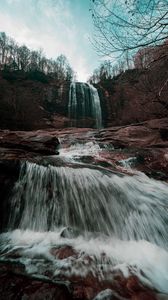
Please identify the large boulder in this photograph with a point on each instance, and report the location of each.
(42, 142)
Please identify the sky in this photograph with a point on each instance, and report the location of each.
(56, 26)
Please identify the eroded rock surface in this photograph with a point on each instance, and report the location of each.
(42, 142)
(146, 143)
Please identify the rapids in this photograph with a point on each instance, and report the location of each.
(120, 221)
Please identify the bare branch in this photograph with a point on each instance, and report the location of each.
(129, 25)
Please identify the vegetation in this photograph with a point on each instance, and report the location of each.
(21, 59)
(107, 70)
(134, 33)
(144, 79)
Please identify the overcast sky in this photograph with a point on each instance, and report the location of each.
(57, 26)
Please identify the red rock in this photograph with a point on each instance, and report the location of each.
(144, 296)
(14, 286)
(133, 284)
(138, 291)
(137, 94)
(83, 287)
(63, 252)
(30, 105)
(42, 142)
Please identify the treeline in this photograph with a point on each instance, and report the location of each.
(108, 70)
(144, 59)
(20, 58)
(141, 81)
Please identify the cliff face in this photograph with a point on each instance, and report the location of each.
(133, 98)
(137, 94)
(31, 104)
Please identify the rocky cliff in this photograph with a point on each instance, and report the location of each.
(31, 103)
(38, 101)
(130, 98)
(144, 143)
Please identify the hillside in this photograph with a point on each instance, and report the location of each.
(137, 94)
(31, 101)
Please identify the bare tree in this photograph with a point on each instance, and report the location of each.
(3, 48)
(128, 25)
(23, 58)
(107, 70)
(14, 58)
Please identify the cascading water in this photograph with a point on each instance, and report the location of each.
(125, 207)
(84, 103)
(94, 211)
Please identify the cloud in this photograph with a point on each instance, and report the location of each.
(51, 25)
(12, 1)
(13, 28)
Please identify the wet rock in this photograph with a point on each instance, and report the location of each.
(138, 291)
(143, 296)
(9, 173)
(108, 295)
(63, 252)
(147, 141)
(67, 232)
(42, 142)
(14, 286)
(162, 297)
(138, 136)
(84, 286)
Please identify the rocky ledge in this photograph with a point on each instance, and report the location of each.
(144, 145)
(15, 146)
(16, 284)
(147, 142)
(42, 142)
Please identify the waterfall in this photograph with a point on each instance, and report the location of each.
(90, 200)
(109, 221)
(84, 103)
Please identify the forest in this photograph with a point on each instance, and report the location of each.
(14, 58)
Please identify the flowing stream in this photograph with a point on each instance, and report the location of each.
(94, 211)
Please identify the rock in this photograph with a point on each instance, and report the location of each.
(88, 286)
(142, 141)
(138, 291)
(162, 297)
(108, 295)
(9, 173)
(133, 284)
(63, 252)
(59, 121)
(135, 94)
(67, 232)
(144, 296)
(28, 104)
(42, 142)
(14, 286)
(136, 136)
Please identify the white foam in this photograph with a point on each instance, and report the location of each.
(128, 163)
(127, 209)
(78, 150)
(107, 295)
(146, 260)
